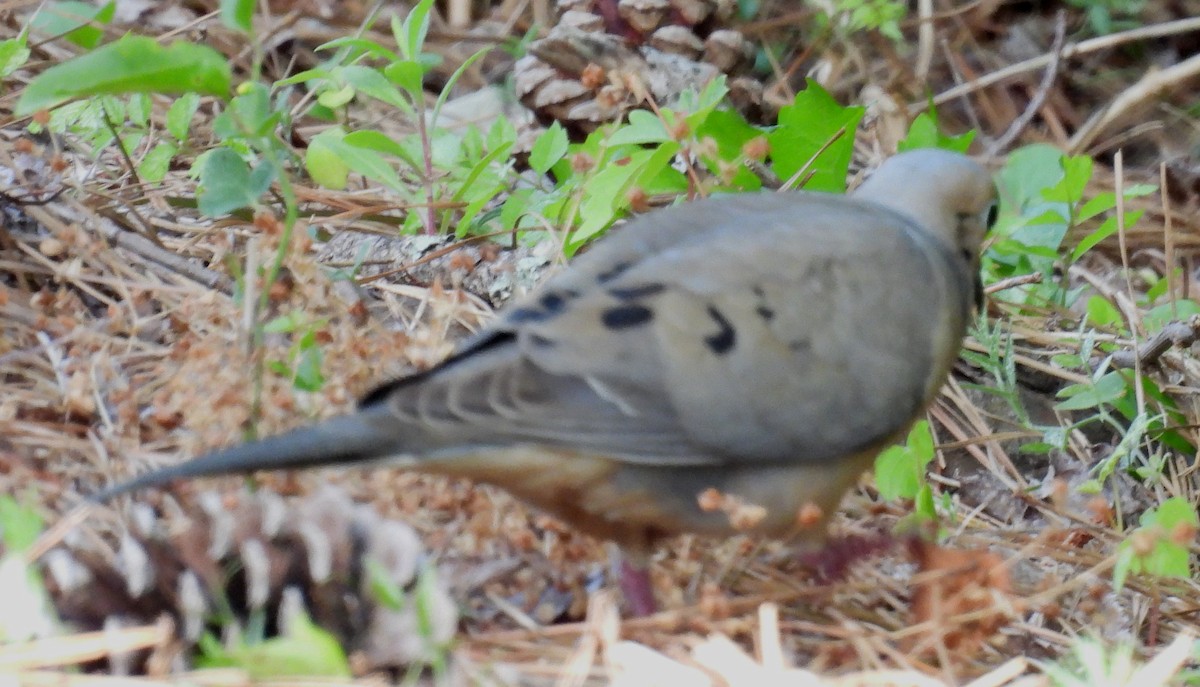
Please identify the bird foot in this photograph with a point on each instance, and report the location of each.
(832, 562)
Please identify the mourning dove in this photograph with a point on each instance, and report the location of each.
(763, 347)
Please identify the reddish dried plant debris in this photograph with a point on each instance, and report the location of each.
(962, 598)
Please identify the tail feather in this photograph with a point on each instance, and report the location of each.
(357, 438)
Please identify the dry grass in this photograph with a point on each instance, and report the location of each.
(122, 349)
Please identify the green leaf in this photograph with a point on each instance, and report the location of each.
(731, 131)
(323, 163)
(286, 323)
(308, 375)
(549, 148)
(449, 85)
(383, 588)
(20, 525)
(1101, 313)
(14, 53)
(248, 115)
(1106, 229)
(336, 98)
(375, 85)
(807, 126)
(238, 15)
(72, 20)
(643, 127)
(411, 36)
(1107, 389)
(179, 115)
(407, 74)
(924, 133)
(364, 46)
(154, 164)
(133, 64)
(306, 651)
(900, 470)
(358, 152)
(1157, 317)
(1166, 557)
(227, 183)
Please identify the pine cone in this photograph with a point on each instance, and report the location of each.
(248, 554)
(604, 57)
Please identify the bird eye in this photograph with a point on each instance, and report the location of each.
(993, 211)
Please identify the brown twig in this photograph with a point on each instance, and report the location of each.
(1039, 96)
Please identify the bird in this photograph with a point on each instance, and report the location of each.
(763, 347)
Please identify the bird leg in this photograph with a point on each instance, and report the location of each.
(637, 588)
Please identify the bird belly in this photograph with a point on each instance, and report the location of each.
(637, 505)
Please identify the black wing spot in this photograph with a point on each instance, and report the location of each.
(721, 342)
(764, 311)
(625, 316)
(552, 302)
(613, 272)
(541, 341)
(520, 315)
(800, 345)
(632, 293)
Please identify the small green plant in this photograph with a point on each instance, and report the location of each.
(28, 613)
(421, 597)
(847, 17)
(1109, 16)
(1159, 546)
(900, 474)
(1094, 663)
(304, 650)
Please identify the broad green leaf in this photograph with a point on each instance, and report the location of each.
(900, 470)
(806, 127)
(154, 164)
(133, 64)
(179, 116)
(227, 183)
(250, 114)
(324, 164)
(371, 83)
(357, 150)
(408, 75)
(73, 20)
(549, 148)
(14, 53)
(1101, 313)
(731, 131)
(238, 14)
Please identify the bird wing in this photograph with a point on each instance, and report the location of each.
(825, 326)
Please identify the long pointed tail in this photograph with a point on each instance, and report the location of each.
(356, 438)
